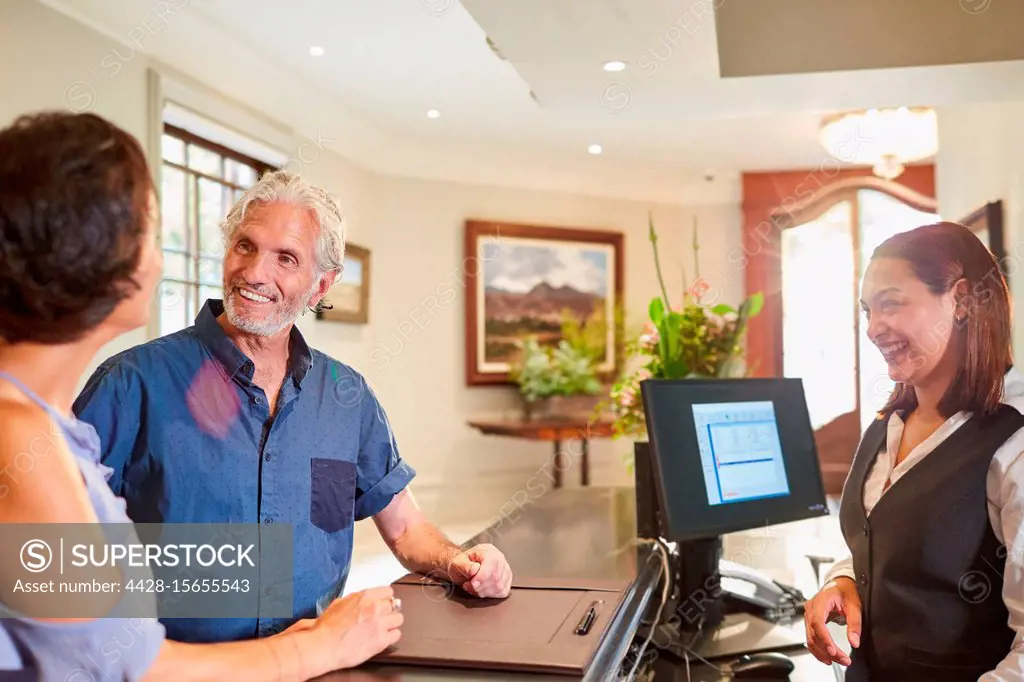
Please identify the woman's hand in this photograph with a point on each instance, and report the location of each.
(837, 602)
(355, 628)
(351, 631)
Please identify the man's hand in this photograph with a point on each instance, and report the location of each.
(482, 571)
(837, 601)
(422, 548)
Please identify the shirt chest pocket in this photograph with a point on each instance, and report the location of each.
(332, 494)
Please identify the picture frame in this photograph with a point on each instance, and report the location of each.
(349, 298)
(987, 224)
(519, 278)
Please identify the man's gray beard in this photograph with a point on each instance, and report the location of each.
(266, 327)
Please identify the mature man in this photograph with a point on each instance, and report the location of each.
(236, 419)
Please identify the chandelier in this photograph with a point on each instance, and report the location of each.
(885, 139)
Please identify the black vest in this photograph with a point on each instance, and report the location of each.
(928, 565)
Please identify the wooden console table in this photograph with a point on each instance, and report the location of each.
(555, 431)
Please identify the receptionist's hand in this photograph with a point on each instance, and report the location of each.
(482, 571)
(836, 602)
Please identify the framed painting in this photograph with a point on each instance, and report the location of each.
(523, 279)
(349, 299)
(987, 223)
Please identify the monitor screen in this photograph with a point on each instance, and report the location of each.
(731, 454)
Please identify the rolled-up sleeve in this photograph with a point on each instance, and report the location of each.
(381, 473)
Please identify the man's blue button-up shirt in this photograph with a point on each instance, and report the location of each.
(191, 439)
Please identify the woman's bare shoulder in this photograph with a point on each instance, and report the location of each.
(26, 430)
(39, 479)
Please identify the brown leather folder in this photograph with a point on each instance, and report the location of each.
(532, 630)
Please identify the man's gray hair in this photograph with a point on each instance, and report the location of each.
(288, 188)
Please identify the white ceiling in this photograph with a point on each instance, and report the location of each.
(662, 122)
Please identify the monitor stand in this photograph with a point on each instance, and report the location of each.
(719, 609)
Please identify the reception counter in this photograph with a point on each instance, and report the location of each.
(591, 533)
(566, 533)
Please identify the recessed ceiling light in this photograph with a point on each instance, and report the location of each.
(433, 113)
(316, 51)
(594, 149)
(614, 66)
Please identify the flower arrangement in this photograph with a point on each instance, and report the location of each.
(546, 371)
(692, 340)
(567, 369)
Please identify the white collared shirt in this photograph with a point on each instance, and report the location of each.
(1005, 509)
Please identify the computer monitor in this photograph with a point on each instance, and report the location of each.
(731, 455)
(725, 455)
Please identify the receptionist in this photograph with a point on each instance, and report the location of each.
(933, 504)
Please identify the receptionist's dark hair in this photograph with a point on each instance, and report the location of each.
(940, 255)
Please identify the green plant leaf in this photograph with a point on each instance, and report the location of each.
(657, 311)
(670, 345)
(677, 368)
(754, 304)
(723, 309)
(657, 263)
(751, 307)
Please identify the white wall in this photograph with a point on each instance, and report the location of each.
(355, 190)
(980, 160)
(414, 229)
(46, 62)
(418, 246)
(45, 59)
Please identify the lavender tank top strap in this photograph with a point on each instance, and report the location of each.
(80, 437)
(45, 650)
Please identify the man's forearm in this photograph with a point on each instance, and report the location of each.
(423, 548)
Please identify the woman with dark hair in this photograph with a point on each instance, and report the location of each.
(78, 266)
(933, 505)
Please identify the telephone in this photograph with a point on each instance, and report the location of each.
(750, 591)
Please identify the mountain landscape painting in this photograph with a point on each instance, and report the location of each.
(525, 283)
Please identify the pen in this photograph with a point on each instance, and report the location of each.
(588, 619)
